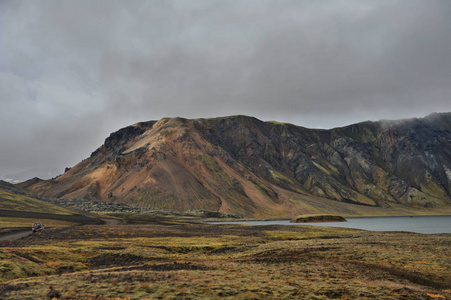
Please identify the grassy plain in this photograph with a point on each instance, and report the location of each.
(178, 260)
(17, 202)
(6, 222)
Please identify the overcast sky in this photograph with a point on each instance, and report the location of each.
(72, 72)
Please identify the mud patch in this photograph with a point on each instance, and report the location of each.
(111, 248)
(114, 260)
(415, 277)
(175, 267)
(4, 288)
(28, 257)
(284, 256)
(227, 250)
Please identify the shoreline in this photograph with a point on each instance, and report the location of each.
(351, 217)
(419, 224)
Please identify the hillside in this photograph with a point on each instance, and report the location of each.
(242, 165)
(21, 203)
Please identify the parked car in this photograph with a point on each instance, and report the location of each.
(37, 227)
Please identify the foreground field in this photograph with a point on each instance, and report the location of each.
(163, 260)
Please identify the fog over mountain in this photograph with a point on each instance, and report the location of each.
(72, 72)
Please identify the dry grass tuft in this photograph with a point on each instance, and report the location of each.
(181, 261)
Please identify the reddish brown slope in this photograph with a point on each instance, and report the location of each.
(261, 169)
(168, 165)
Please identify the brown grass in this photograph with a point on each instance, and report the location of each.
(28, 222)
(203, 261)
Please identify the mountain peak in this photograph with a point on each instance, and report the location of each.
(242, 165)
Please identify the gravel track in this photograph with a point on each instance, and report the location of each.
(18, 233)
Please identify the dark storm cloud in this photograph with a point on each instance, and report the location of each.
(73, 71)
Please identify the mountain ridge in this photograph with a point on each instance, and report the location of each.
(240, 164)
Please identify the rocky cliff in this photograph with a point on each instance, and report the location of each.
(242, 165)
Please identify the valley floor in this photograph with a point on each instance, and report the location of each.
(175, 260)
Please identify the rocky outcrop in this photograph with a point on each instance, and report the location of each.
(244, 166)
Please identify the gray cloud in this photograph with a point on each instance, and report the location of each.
(71, 72)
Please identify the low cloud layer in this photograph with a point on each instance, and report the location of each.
(71, 72)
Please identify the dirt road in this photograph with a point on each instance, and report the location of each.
(21, 233)
(15, 235)
(111, 221)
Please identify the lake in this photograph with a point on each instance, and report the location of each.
(419, 224)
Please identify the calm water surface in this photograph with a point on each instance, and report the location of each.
(419, 224)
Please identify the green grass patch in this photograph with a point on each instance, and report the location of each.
(11, 201)
(6, 222)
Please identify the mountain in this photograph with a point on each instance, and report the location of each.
(242, 165)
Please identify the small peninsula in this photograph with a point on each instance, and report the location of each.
(317, 219)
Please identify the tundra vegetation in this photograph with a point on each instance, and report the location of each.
(171, 259)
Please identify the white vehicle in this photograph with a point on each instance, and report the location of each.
(37, 227)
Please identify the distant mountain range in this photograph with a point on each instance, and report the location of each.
(245, 166)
